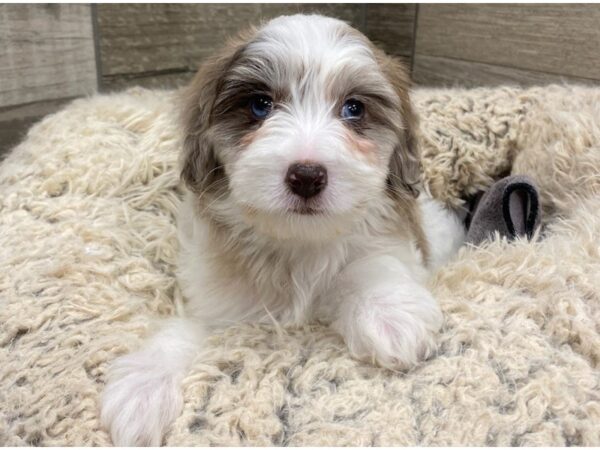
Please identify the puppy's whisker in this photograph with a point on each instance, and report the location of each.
(215, 184)
(214, 169)
(219, 197)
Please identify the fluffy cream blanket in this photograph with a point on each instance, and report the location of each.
(88, 249)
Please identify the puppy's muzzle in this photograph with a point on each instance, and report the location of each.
(306, 179)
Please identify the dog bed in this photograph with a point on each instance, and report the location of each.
(88, 249)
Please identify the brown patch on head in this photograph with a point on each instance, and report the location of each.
(363, 147)
(387, 105)
(389, 109)
(200, 165)
(216, 113)
(405, 167)
(248, 138)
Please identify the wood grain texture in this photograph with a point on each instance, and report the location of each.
(390, 26)
(175, 38)
(46, 52)
(353, 13)
(553, 38)
(446, 72)
(137, 38)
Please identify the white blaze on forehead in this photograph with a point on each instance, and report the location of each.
(306, 54)
(314, 39)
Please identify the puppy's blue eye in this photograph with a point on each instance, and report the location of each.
(261, 106)
(353, 109)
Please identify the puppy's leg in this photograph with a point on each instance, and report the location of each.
(143, 394)
(384, 314)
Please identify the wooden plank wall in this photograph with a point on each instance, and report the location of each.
(47, 52)
(391, 27)
(492, 44)
(51, 53)
(46, 56)
(161, 45)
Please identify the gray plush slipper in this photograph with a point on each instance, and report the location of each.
(511, 207)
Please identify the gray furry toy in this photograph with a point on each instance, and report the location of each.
(511, 206)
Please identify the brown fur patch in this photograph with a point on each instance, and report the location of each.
(405, 164)
(363, 147)
(200, 166)
(250, 137)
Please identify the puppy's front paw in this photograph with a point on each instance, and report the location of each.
(140, 401)
(392, 327)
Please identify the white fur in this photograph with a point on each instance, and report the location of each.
(347, 267)
(142, 395)
(444, 230)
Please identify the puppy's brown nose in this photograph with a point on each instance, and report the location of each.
(306, 179)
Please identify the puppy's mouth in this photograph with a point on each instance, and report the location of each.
(300, 210)
(306, 211)
(306, 207)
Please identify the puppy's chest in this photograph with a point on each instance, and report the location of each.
(303, 274)
(290, 283)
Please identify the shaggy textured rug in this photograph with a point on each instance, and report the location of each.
(87, 254)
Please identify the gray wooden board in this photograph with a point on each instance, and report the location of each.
(554, 38)
(142, 38)
(353, 13)
(46, 52)
(446, 72)
(391, 26)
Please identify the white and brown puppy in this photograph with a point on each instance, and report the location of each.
(302, 174)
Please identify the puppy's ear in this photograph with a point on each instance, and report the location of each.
(405, 164)
(200, 167)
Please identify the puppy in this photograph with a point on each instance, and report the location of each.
(302, 204)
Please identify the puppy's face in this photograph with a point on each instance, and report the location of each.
(298, 128)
